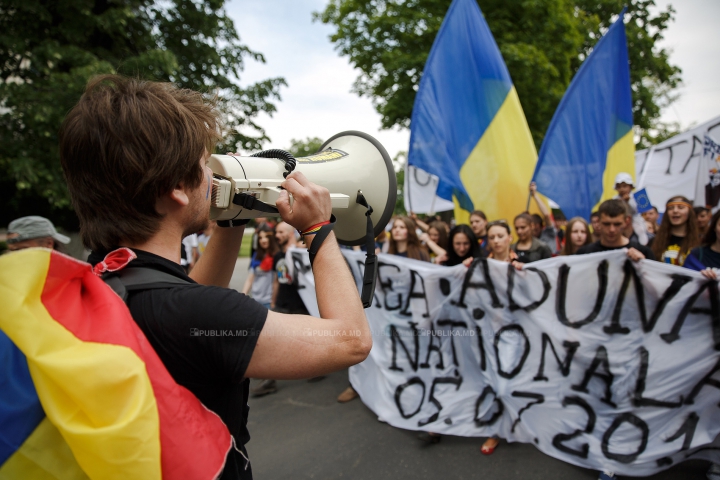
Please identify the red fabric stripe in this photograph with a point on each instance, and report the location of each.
(194, 441)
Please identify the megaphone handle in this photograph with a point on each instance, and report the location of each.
(371, 263)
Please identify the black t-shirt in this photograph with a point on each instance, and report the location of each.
(288, 299)
(188, 327)
(672, 254)
(598, 247)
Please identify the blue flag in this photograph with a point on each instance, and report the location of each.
(643, 201)
(590, 138)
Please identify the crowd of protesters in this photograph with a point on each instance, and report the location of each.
(684, 235)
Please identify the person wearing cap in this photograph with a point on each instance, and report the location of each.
(34, 231)
(624, 185)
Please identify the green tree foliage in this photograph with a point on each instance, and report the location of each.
(48, 51)
(303, 148)
(543, 43)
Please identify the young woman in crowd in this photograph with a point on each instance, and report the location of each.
(678, 232)
(528, 248)
(577, 234)
(259, 283)
(706, 258)
(478, 224)
(463, 246)
(404, 241)
(436, 241)
(499, 240)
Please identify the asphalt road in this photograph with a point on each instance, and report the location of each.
(302, 432)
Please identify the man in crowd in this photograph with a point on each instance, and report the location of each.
(595, 224)
(636, 230)
(157, 138)
(652, 216)
(285, 296)
(613, 220)
(34, 231)
(702, 215)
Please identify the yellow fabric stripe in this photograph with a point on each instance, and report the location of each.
(498, 171)
(43, 456)
(98, 395)
(620, 158)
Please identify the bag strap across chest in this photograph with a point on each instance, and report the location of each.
(140, 278)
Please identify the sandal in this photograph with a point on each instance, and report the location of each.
(487, 449)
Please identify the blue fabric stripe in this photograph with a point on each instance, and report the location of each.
(20, 410)
(595, 112)
(464, 84)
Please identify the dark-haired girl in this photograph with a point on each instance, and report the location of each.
(706, 258)
(463, 246)
(528, 248)
(404, 241)
(678, 232)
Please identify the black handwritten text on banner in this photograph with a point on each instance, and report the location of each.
(596, 360)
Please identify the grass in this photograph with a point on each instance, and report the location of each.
(245, 247)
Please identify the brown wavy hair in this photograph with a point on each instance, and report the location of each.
(442, 230)
(273, 248)
(127, 143)
(568, 248)
(414, 249)
(662, 237)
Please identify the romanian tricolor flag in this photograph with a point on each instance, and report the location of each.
(467, 125)
(82, 393)
(590, 139)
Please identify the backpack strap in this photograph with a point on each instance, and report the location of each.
(140, 278)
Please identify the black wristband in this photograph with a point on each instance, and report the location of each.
(320, 236)
(232, 223)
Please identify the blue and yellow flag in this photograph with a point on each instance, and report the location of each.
(468, 127)
(590, 139)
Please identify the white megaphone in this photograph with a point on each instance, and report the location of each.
(352, 165)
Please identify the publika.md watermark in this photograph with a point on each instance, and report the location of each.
(197, 332)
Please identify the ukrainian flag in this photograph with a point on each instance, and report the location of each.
(467, 125)
(590, 139)
(82, 393)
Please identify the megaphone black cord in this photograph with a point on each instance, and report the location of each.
(278, 154)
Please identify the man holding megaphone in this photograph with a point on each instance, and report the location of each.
(135, 158)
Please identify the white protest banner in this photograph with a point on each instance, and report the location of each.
(673, 167)
(419, 190)
(594, 359)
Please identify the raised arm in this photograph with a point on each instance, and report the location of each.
(248, 282)
(437, 249)
(543, 208)
(301, 346)
(421, 225)
(216, 265)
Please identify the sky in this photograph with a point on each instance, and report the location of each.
(319, 102)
